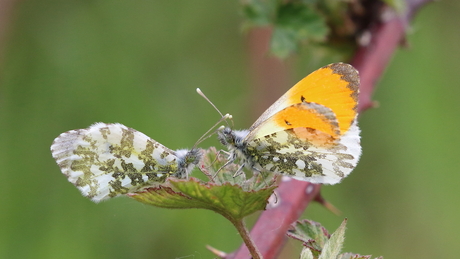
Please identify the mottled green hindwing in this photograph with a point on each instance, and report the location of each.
(109, 160)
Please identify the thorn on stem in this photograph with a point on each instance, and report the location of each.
(329, 206)
(219, 253)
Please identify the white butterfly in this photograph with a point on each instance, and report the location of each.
(109, 160)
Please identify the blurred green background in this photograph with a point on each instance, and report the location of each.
(72, 63)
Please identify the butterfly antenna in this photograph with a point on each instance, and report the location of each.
(198, 90)
(207, 134)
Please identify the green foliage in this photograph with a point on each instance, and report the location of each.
(306, 254)
(259, 12)
(318, 243)
(311, 233)
(298, 22)
(314, 23)
(334, 245)
(356, 256)
(229, 200)
(398, 5)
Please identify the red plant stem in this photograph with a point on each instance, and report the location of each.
(269, 232)
(268, 72)
(6, 15)
(372, 59)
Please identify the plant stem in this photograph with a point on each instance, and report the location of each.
(244, 233)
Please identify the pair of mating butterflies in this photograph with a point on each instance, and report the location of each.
(310, 134)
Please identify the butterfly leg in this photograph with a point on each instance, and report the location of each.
(239, 171)
(229, 161)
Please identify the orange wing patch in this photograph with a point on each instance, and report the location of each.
(315, 137)
(305, 115)
(335, 86)
(298, 117)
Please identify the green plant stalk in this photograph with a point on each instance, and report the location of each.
(244, 233)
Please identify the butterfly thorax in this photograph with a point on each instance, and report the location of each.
(234, 140)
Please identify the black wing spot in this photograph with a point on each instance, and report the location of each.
(287, 122)
(302, 99)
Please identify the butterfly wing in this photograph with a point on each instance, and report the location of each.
(307, 153)
(108, 160)
(311, 132)
(335, 86)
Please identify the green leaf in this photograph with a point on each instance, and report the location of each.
(319, 243)
(306, 254)
(259, 12)
(229, 200)
(302, 19)
(398, 5)
(335, 24)
(355, 256)
(296, 22)
(334, 245)
(283, 42)
(311, 233)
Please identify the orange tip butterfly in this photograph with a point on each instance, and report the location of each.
(310, 133)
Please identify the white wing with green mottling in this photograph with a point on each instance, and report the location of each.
(109, 160)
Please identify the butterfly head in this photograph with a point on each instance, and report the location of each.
(232, 139)
(187, 160)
